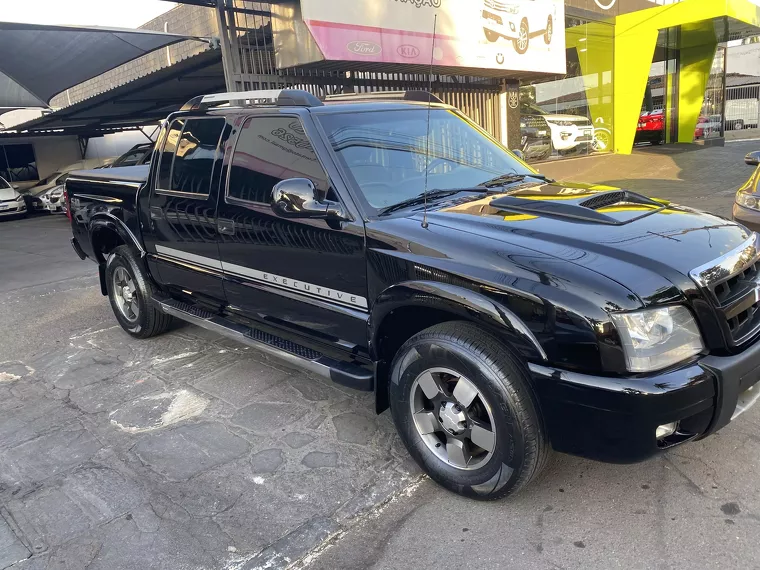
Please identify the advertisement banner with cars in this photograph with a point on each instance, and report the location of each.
(518, 35)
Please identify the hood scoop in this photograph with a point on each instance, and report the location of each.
(583, 209)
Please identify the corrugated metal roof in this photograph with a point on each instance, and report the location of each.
(39, 62)
(145, 100)
(741, 80)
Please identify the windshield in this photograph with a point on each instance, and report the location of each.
(385, 152)
(48, 179)
(4, 183)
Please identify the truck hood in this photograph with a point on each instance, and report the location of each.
(627, 237)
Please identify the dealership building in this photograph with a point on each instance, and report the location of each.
(553, 78)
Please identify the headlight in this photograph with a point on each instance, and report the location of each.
(57, 192)
(657, 338)
(20, 198)
(747, 200)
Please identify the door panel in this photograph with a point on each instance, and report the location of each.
(305, 274)
(183, 207)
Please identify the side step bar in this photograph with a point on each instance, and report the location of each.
(343, 373)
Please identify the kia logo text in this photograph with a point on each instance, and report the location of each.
(408, 51)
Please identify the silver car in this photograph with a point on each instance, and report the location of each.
(11, 202)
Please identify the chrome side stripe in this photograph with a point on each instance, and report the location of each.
(277, 281)
(183, 255)
(294, 285)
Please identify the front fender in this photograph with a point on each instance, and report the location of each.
(465, 303)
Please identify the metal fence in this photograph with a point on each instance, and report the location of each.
(742, 109)
(246, 32)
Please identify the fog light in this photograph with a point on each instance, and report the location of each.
(665, 430)
(511, 26)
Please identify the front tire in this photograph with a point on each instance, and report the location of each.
(463, 407)
(130, 292)
(523, 38)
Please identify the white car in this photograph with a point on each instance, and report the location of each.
(52, 200)
(570, 131)
(567, 131)
(11, 202)
(519, 21)
(47, 193)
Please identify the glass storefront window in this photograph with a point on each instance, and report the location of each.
(571, 115)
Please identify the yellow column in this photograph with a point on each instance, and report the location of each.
(698, 43)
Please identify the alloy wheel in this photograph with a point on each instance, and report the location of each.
(522, 40)
(601, 140)
(125, 294)
(453, 418)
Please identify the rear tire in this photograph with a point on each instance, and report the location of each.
(130, 291)
(548, 32)
(463, 407)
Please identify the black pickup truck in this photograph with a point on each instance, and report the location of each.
(498, 314)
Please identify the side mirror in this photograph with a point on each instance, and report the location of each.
(518, 153)
(299, 198)
(753, 158)
(15, 186)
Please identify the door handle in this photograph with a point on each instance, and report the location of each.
(156, 213)
(226, 227)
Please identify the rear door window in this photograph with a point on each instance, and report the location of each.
(187, 160)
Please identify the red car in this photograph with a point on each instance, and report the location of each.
(651, 127)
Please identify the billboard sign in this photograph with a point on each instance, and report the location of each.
(514, 35)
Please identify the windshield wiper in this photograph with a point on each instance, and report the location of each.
(510, 178)
(431, 195)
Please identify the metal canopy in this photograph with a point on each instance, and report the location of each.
(38, 62)
(139, 102)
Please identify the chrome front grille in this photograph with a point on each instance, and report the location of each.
(732, 283)
(498, 6)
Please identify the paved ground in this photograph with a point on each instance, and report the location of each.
(188, 451)
(185, 451)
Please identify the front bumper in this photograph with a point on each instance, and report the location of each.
(614, 419)
(648, 136)
(14, 210)
(747, 217)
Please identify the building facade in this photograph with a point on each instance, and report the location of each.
(552, 78)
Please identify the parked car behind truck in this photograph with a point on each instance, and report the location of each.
(393, 246)
(11, 201)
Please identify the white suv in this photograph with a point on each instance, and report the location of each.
(519, 21)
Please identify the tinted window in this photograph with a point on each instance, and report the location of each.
(4, 184)
(167, 156)
(130, 159)
(195, 155)
(387, 152)
(271, 149)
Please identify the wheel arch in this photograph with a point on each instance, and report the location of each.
(108, 232)
(405, 309)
